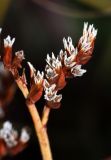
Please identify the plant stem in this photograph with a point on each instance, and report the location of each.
(41, 131)
(45, 115)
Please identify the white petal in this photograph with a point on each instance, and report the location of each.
(53, 56)
(32, 69)
(7, 125)
(65, 43)
(58, 98)
(77, 71)
(24, 136)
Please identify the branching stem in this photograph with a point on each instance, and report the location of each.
(41, 131)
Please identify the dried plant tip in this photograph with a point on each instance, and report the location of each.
(88, 37)
(38, 79)
(36, 89)
(8, 42)
(89, 30)
(7, 56)
(86, 44)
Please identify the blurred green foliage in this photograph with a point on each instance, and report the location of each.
(99, 4)
(4, 5)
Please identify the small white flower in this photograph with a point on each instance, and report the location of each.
(50, 72)
(53, 62)
(8, 42)
(89, 30)
(51, 93)
(53, 67)
(70, 54)
(8, 134)
(68, 45)
(77, 71)
(47, 85)
(89, 34)
(20, 54)
(58, 98)
(7, 125)
(69, 61)
(61, 54)
(24, 136)
(38, 78)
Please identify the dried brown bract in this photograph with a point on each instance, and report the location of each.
(12, 63)
(36, 85)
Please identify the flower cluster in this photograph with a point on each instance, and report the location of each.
(12, 63)
(11, 142)
(67, 64)
(86, 44)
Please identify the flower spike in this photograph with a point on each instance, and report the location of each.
(51, 97)
(86, 44)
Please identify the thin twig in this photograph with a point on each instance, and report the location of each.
(45, 115)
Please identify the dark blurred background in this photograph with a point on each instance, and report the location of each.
(81, 128)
